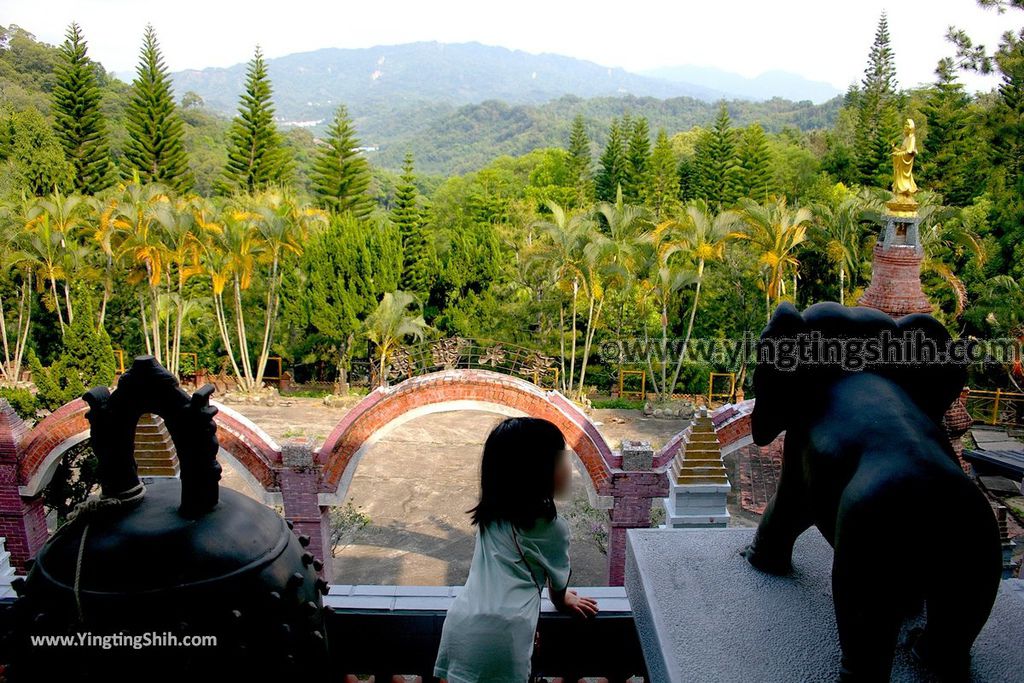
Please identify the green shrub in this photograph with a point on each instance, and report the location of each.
(22, 400)
(618, 403)
(86, 360)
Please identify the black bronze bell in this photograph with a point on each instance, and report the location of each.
(167, 578)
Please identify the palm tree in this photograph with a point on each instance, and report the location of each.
(397, 316)
(608, 262)
(839, 231)
(16, 261)
(702, 234)
(775, 230)
(46, 249)
(944, 236)
(131, 230)
(561, 254)
(668, 273)
(183, 235)
(284, 224)
(66, 216)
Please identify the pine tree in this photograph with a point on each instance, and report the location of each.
(946, 164)
(715, 160)
(689, 179)
(256, 157)
(878, 119)
(78, 121)
(580, 162)
(638, 162)
(416, 261)
(612, 174)
(755, 172)
(156, 137)
(341, 174)
(664, 184)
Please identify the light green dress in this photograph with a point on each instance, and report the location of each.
(488, 632)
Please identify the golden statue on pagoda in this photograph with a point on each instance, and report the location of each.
(903, 186)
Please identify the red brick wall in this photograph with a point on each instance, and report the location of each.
(22, 522)
(385, 405)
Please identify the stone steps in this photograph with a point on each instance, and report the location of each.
(699, 482)
(155, 455)
(5, 559)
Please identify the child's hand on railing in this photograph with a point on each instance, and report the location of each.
(578, 606)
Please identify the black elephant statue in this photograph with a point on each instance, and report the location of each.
(860, 397)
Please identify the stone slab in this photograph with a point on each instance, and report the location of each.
(704, 614)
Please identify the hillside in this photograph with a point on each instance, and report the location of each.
(470, 136)
(447, 133)
(310, 85)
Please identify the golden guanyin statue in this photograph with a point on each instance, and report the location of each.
(903, 155)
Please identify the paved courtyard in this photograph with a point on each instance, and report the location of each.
(417, 483)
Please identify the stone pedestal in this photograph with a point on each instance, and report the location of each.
(698, 482)
(704, 614)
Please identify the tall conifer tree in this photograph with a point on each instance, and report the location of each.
(580, 162)
(416, 262)
(156, 138)
(256, 156)
(946, 165)
(878, 119)
(341, 174)
(754, 156)
(638, 162)
(663, 191)
(715, 160)
(78, 121)
(612, 173)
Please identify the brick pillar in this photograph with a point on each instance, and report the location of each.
(300, 487)
(896, 282)
(632, 492)
(22, 520)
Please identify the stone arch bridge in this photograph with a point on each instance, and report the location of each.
(308, 481)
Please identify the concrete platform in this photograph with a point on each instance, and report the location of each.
(704, 614)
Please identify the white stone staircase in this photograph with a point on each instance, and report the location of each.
(698, 481)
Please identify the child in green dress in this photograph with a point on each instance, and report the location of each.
(521, 545)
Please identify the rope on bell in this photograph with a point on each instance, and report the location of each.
(86, 509)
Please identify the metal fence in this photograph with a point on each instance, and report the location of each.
(1004, 408)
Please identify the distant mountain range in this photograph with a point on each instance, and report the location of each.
(764, 87)
(457, 106)
(308, 86)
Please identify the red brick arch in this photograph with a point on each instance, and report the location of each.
(66, 426)
(478, 389)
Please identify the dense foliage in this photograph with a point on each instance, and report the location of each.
(241, 241)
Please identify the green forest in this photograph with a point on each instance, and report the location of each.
(136, 220)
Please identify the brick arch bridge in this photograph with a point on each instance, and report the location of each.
(309, 482)
(388, 407)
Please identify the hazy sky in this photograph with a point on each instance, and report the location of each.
(820, 39)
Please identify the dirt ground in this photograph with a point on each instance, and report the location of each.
(417, 483)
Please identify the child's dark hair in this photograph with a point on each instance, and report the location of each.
(518, 471)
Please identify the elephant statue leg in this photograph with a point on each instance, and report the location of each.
(960, 593)
(868, 617)
(787, 516)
